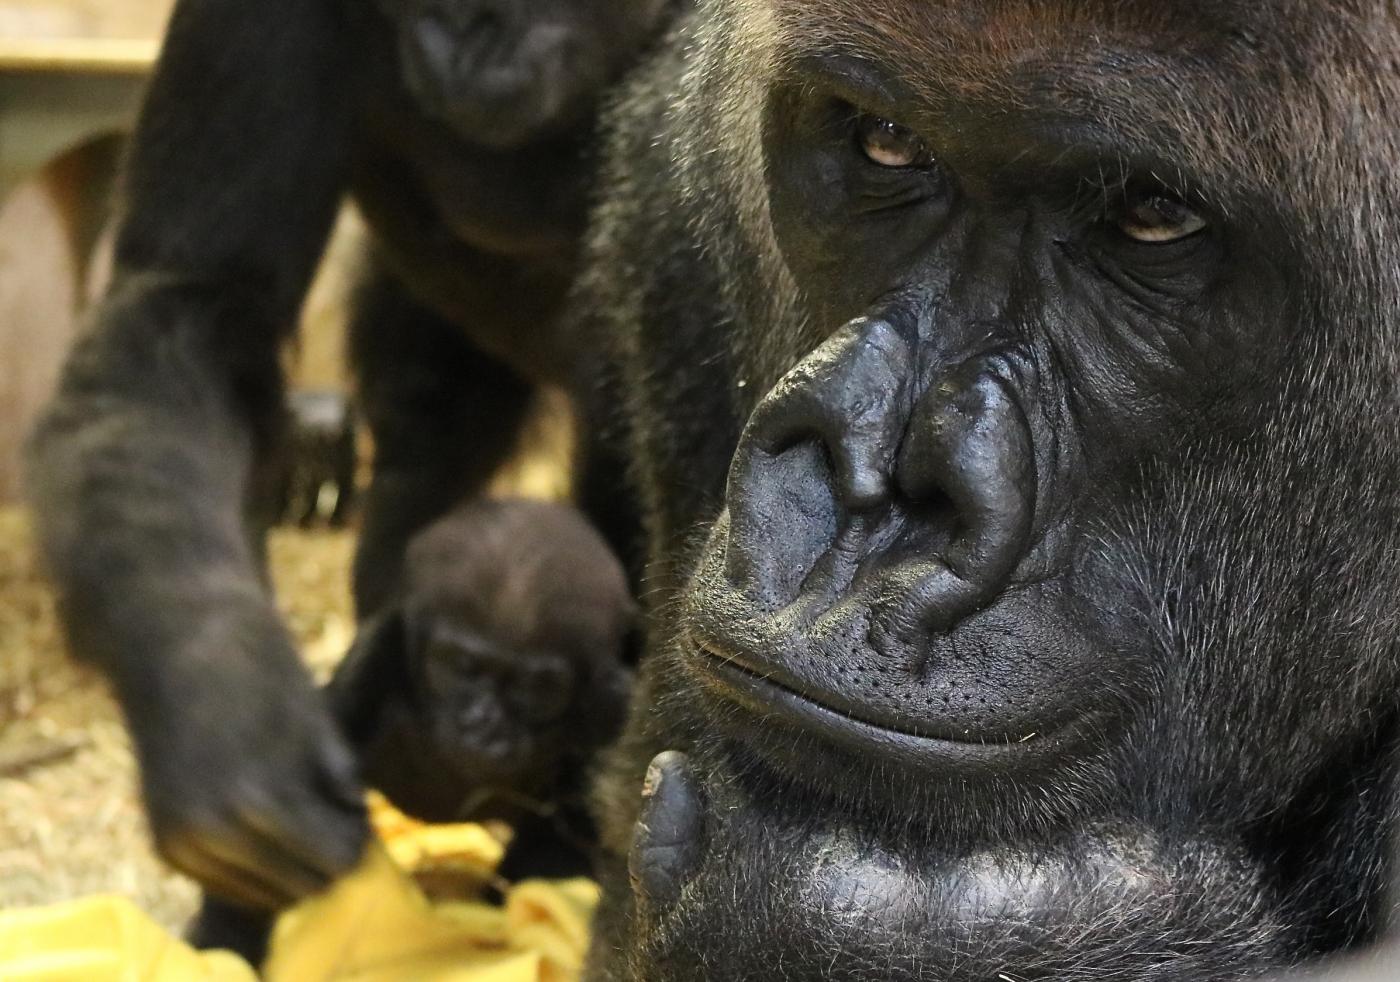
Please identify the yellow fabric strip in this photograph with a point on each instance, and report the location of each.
(376, 925)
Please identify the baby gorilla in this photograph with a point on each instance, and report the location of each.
(486, 689)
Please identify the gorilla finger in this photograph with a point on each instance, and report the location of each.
(264, 857)
(667, 843)
(339, 778)
(338, 771)
(323, 842)
(232, 883)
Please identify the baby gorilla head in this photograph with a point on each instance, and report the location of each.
(501, 73)
(490, 708)
(517, 613)
(499, 671)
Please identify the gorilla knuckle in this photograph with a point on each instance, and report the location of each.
(180, 840)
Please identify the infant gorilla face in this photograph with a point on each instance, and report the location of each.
(493, 709)
(500, 671)
(501, 72)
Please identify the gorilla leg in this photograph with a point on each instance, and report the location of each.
(444, 416)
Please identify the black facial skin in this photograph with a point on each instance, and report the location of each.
(1017, 440)
(471, 160)
(503, 72)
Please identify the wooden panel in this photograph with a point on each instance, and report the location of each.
(77, 55)
(49, 230)
(49, 19)
(81, 35)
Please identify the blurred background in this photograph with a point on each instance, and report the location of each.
(71, 77)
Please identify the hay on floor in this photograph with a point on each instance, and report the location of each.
(70, 819)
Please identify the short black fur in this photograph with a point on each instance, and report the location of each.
(486, 689)
(1011, 391)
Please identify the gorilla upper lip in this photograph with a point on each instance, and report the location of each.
(776, 698)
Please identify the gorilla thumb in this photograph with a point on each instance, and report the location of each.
(666, 844)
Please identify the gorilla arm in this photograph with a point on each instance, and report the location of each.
(145, 469)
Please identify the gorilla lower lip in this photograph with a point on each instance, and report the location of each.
(774, 700)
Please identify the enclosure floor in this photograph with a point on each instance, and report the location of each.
(70, 820)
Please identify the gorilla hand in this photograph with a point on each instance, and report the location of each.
(249, 786)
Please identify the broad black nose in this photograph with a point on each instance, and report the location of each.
(862, 467)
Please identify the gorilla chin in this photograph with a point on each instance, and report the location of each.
(824, 899)
(903, 845)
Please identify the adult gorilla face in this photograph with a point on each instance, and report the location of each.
(501, 72)
(1045, 629)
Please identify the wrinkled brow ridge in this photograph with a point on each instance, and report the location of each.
(1108, 110)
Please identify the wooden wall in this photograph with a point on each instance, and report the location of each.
(83, 18)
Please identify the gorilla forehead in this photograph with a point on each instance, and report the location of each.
(977, 40)
(1195, 84)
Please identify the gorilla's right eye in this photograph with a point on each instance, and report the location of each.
(888, 144)
(1160, 218)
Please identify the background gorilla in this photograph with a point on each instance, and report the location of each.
(1012, 387)
(462, 128)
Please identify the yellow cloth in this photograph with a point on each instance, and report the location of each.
(376, 925)
(104, 939)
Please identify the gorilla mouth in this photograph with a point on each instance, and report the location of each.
(777, 701)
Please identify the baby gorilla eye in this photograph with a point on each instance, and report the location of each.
(1159, 218)
(889, 144)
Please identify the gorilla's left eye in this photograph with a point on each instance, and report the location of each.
(889, 144)
(1159, 218)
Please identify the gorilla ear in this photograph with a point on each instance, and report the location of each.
(373, 674)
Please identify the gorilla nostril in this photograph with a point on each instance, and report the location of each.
(479, 715)
(969, 445)
(847, 397)
(817, 453)
(968, 453)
